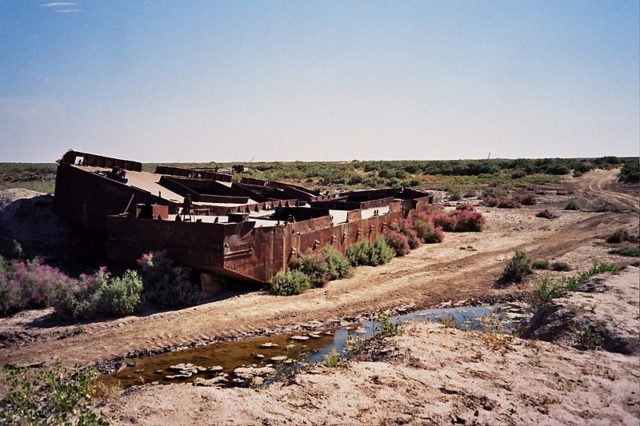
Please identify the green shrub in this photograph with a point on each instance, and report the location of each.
(572, 205)
(427, 232)
(549, 289)
(540, 264)
(630, 251)
(560, 266)
(358, 254)
(519, 266)
(573, 282)
(587, 339)
(339, 266)
(314, 266)
(166, 284)
(630, 172)
(383, 325)
(123, 294)
(333, 359)
(381, 252)
(455, 196)
(287, 283)
(48, 397)
(372, 254)
(85, 300)
(99, 295)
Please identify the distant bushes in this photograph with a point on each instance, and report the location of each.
(502, 202)
(630, 251)
(572, 205)
(463, 219)
(630, 172)
(455, 196)
(541, 264)
(554, 266)
(528, 200)
(620, 235)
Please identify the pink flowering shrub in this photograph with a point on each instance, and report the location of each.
(398, 242)
(407, 228)
(464, 218)
(468, 221)
(438, 218)
(502, 202)
(465, 206)
(32, 285)
(26, 285)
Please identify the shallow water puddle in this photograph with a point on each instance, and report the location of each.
(266, 356)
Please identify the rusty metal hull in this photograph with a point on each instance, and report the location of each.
(242, 250)
(86, 199)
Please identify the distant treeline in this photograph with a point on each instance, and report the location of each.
(372, 173)
(41, 176)
(630, 172)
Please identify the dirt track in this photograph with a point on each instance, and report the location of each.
(430, 275)
(597, 183)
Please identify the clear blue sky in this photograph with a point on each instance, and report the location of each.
(318, 80)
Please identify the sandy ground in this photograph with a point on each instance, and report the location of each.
(466, 266)
(433, 375)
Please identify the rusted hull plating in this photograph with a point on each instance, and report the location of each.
(242, 250)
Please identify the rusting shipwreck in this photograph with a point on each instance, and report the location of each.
(247, 230)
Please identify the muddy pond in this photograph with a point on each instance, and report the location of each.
(263, 359)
